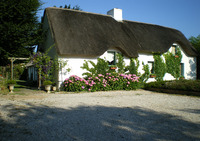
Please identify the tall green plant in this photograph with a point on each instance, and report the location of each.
(145, 76)
(120, 63)
(173, 63)
(159, 67)
(133, 67)
(100, 68)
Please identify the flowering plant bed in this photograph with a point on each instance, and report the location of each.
(110, 81)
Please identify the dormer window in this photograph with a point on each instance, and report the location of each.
(174, 49)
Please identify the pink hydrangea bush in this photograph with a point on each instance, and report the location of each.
(110, 81)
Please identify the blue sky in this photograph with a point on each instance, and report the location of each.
(183, 15)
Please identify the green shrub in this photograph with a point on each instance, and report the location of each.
(100, 68)
(185, 85)
(11, 82)
(18, 70)
(100, 82)
(47, 82)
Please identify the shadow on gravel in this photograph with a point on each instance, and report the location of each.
(98, 123)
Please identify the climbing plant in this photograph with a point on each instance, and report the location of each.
(101, 67)
(159, 67)
(145, 76)
(173, 63)
(133, 67)
(120, 63)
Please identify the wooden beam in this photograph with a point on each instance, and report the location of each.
(12, 59)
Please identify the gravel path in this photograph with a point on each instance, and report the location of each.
(99, 116)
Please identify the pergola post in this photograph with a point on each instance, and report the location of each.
(12, 59)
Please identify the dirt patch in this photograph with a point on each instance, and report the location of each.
(113, 115)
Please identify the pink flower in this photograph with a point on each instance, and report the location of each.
(128, 82)
(83, 87)
(89, 89)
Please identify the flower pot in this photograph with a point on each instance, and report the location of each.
(54, 88)
(11, 87)
(48, 88)
(152, 76)
(113, 68)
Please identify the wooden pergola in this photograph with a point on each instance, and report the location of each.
(12, 59)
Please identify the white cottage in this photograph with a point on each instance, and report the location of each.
(80, 36)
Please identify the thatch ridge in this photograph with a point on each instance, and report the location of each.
(89, 34)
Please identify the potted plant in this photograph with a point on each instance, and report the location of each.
(47, 84)
(11, 84)
(181, 78)
(176, 56)
(113, 67)
(54, 87)
(152, 75)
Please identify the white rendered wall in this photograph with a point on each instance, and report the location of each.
(74, 63)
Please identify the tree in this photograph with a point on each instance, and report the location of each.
(76, 7)
(196, 44)
(19, 28)
(195, 41)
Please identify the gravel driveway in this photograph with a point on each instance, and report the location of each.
(99, 116)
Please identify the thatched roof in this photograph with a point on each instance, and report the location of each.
(81, 33)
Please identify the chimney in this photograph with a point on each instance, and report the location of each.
(116, 14)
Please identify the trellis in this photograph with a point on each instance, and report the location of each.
(12, 59)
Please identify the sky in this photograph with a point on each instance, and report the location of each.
(183, 15)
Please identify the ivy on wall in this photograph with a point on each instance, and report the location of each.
(120, 63)
(134, 65)
(159, 67)
(173, 63)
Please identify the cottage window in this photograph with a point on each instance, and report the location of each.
(111, 57)
(151, 66)
(182, 69)
(174, 49)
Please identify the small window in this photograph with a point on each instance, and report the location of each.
(182, 69)
(151, 66)
(111, 57)
(174, 49)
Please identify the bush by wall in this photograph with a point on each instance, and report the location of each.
(100, 82)
(183, 85)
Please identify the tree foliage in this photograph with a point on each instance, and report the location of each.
(195, 41)
(76, 7)
(19, 28)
